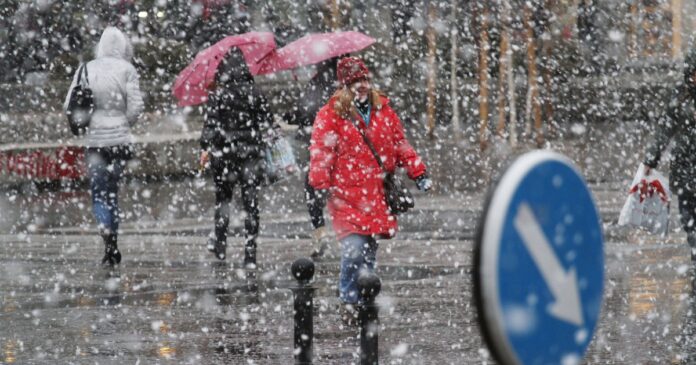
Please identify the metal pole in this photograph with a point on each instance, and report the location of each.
(369, 286)
(303, 270)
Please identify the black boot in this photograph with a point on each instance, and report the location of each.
(218, 247)
(250, 254)
(112, 255)
(691, 240)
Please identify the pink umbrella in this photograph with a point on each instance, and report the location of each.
(191, 85)
(314, 48)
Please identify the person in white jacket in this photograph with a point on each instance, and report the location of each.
(117, 104)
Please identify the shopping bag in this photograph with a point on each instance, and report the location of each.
(280, 160)
(648, 202)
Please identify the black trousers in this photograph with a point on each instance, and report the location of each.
(687, 215)
(228, 173)
(316, 201)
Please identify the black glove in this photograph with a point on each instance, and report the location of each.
(424, 183)
(289, 117)
(321, 194)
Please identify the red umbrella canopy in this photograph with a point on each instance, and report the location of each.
(192, 83)
(314, 48)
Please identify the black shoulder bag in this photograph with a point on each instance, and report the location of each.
(80, 105)
(398, 198)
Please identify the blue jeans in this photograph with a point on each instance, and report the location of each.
(358, 254)
(105, 167)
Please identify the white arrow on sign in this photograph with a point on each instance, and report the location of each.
(563, 284)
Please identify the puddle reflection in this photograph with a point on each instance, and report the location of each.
(86, 333)
(166, 299)
(642, 296)
(10, 305)
(166, 350)
(252, 283)
(111, 289)
(9, 351)
(85, 300)
(649, 294)
(653, 296)
(163, 327)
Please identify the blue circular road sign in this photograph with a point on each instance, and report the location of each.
(539, 263)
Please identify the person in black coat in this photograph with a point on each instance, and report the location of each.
(236, 118)
(318, 91)
(678, 124)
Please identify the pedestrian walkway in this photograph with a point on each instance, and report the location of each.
(171, 301)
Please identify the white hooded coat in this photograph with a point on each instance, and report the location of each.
(115, 85)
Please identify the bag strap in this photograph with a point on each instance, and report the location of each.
(86, 74)
(79, 74)
(368, 142)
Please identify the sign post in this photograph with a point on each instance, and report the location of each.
(539, 263)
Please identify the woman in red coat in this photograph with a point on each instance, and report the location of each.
(342, 164)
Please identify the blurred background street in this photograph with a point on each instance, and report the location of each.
(475, 83)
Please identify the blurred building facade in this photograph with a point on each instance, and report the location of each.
(44, 40)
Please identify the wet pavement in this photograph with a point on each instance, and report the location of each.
(170, 302)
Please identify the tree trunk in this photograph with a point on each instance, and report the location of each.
(632, 30)
(533, 96)
(546, 75)
(483, 80)
(548, 89)
(432, 71)
(454, 92)
(503, 66)
(677, 6)
(335, 15)
(510, 75)
(512, 97)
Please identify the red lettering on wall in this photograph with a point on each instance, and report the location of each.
(61, 163)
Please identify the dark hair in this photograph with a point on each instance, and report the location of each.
(328, 66)
(233, 69)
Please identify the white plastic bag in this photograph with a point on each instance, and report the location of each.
(280, 160)
(648, 201)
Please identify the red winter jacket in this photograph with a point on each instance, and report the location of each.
(341, 161)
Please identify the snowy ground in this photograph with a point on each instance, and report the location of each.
(171, 302)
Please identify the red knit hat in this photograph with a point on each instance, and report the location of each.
(351, 69)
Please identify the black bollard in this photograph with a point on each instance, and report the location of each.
(369, 286)
(303, 270)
